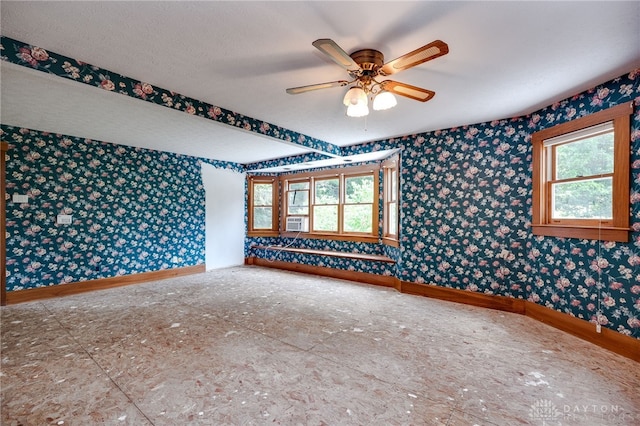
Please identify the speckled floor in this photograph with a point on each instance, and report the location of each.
(249, 345)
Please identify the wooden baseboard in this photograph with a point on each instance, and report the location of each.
(613, 341)
(361, 277)
(20, 296)
(501, 303)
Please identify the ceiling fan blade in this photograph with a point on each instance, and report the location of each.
(309, 88)
(423, 54)
(335, 52)
(406, 90)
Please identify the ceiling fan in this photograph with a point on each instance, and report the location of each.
(365, 67)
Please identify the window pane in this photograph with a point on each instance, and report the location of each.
(298, 185)
(358, 218)
(262, 217)
(298, 202)
(392, 226)
(300, 210)
(394, 184)
(586, 157)
(325, 218)
(359, 189)
(588, 199)
(263, 194)
(327, 191)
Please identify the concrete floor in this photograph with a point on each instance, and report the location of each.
(249, 345)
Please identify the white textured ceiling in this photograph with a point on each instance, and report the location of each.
(505, 59)
(36, 100)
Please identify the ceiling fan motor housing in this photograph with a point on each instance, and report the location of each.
(368, 59)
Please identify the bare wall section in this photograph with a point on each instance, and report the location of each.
(225, 211)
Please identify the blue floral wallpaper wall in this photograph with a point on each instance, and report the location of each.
(597, 281)
(133, 210)
(466, 216)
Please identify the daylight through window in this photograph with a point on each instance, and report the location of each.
(335, 202)
(581, 177)
(343, 204)
(263, 206)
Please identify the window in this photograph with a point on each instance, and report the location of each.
(390, 198)
(357, 209)
(337, 203)
(263, 206)
(297, 198)
(325, 205)
(581, 177)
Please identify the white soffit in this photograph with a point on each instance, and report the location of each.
(40, 101)
(337, 161)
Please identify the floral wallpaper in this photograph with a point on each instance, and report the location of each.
(35, 57)
(133, 210)
(597, 281)
(465, 212)
(466, 218)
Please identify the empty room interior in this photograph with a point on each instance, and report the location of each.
(320, 213)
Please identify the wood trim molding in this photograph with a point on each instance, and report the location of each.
(605, 233)
(3, 218)
(626, 346)
(501, 303)
(618, 229)
(29, 295)
(613, 341)
(361, 277)
(334, 237)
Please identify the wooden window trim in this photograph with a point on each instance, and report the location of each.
(341, 173)
(285, 193)
(388, 166)
(313, 204)
(375, 202)
(275, 206)
(4, 147)
(615, 230)
(334, 237)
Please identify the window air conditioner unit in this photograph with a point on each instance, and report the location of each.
(297, 224)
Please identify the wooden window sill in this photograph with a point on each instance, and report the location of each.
(604, 233)
(390, 242)
(263, 234)
(336, 237)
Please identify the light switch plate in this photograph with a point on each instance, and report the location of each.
(64, 219)
(20, 198)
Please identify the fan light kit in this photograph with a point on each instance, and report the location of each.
(364, 66)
